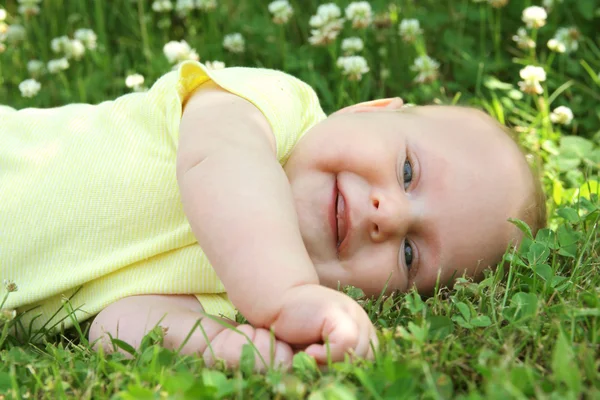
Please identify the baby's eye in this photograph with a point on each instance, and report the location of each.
(407, 173)
(408, 254)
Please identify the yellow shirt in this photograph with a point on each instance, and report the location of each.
(89, 204)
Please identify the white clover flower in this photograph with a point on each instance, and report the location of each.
(206, 5)
(179, 51)
(385, 73)
(352, 45)
(327, 24)
(354, 67)
(565, 40)
(427, 68)
(556, 46)
(29, 7)
(214, 65)
(74, 49)
(183, 7)
(57, 65)
(134, 81)
(409, 30)
(561, 115)
(282, 11)
(532, 76)
(35, 67)
(87, 37)
(523, 40)
(15, 34)
(3, 14)
(360, 13)
(162, 6)
(29, 87)
(59, 44)
(534, 17)
(234, 42)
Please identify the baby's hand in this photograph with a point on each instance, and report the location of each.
(327, 321)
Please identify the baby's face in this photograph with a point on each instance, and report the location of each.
(408, 194)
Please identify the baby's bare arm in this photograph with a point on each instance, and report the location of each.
(237, 199)
(131, 318)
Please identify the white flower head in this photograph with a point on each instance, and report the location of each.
(35, 67)
(179, 51)
(532, 76)
(327, 24)
(162, 6)
(206, 5)
(234, 42)
(29, 87)
(556, 46)
(561, 115)
(427, 69)
(360, 13)
(29, 7)
(214, 65)
(15, 34)
(534, 17)
(281, 10)
(409, 30)
(57, 65)
(352, 45)
(87, 37)
(134, 81)
(59, 44)
(184, 7)
(565, 40)
(3, 14)
(74, 49)
(354, 67)
(523, 40)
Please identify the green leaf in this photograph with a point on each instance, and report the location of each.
(248, 359)
(462, 322)
(523, 227)
(439, 326)
(547, 237)
(219, 381)
(538, 253)
(575, 147)
(565, 163)
(481, 321)
(564, 365)
(522, 305)
(464, 310)
(588, 188)
(569, 214)
(544, 271)
(567, 239)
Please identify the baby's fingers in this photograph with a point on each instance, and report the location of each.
(228, 346)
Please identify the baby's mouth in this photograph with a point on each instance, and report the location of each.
(341, 225)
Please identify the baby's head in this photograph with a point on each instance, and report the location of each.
(409, 192)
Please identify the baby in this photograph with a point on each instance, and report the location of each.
(231, 189)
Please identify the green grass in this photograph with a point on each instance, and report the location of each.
(529, 330)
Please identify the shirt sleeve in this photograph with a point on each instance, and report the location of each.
(290, 106)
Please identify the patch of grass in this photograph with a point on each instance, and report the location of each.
(531, 329)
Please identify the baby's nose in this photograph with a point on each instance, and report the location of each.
(390, 216)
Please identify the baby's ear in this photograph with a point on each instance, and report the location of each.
(392, 103)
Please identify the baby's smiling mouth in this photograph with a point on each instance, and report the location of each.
(341, 223)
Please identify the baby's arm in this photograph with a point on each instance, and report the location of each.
(131, 318)
(239, 204)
